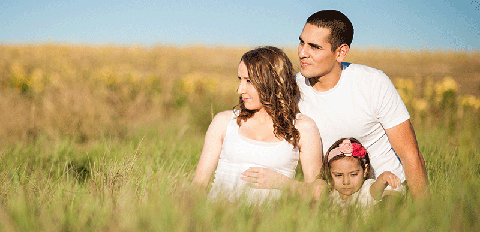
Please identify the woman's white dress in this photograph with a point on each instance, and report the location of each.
(240, 153)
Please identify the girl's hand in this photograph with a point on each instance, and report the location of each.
(264, 178)
(388, 178)
(385, 179)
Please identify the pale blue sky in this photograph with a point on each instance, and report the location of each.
(410, 24)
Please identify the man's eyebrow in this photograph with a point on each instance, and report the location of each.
(314, 45)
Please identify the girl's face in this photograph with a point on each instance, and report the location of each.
(247, 90)
(347, 175)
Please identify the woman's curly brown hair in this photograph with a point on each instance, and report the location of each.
(272, 75)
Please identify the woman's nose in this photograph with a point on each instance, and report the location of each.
(346, 180)
(240, 89)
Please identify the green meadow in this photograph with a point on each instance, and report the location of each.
(107, 139)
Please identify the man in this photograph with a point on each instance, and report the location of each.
(351, 100)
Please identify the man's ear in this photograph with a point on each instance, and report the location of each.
(342, 52)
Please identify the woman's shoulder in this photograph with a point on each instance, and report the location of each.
(308, 130)
(224, 116)
(305, 122)
(221, 120)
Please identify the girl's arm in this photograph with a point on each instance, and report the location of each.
(211, 149)
(385, 179)
(310, 146)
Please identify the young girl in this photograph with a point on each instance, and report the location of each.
(346, 168)
(266, 131)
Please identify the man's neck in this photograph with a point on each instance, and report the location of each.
(328, 81)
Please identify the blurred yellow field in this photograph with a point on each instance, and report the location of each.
(89, 92)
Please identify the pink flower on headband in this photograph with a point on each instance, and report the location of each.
(348, 148)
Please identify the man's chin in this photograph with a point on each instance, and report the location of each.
(305, 73)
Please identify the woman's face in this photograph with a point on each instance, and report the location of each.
(246, 89)
(348, 176)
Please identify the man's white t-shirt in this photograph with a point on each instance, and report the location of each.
(362, 105)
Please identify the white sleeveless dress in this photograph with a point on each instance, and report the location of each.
(240, 153)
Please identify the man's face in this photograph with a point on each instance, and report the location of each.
(315, 52)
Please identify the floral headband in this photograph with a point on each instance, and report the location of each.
(348, 148)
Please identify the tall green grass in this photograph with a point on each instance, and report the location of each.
(143, 184)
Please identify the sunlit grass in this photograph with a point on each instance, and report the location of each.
(143, 184)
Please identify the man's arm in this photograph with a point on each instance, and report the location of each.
(402, 138)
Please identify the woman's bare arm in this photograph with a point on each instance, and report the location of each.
(310, 148)
(212, 148)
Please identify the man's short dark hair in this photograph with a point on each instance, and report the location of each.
(341, 29)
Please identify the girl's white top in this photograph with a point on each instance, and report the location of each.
(361, 198)
(240, 153)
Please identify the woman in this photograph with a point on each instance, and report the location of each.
(267, 131)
